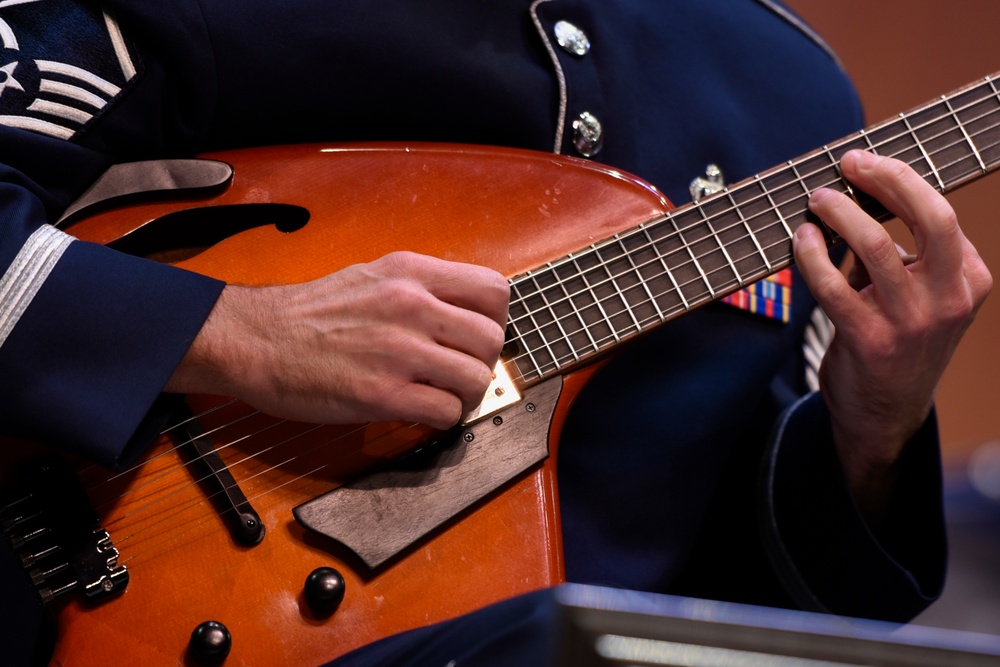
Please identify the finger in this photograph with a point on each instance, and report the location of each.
(915, 202)
(425, 315)
(464, 376)
(824, 280)
(858, 277)
(469, 286)
(869, 240)
(430, 405)
(465, 331)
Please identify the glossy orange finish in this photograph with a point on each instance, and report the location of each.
(511, 210)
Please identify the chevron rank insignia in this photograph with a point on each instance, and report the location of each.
(770, 297)
(61, 65)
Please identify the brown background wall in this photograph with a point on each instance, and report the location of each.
(902, 53)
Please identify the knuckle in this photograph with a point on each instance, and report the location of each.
(492, 340)
(894, 168)
(959, 311)
(404, 297)
(944, 216)
(881, 249)
(498, 340)
(828, 291)
(400, 262)
(445, 414)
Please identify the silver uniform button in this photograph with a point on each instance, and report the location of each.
(588, 135)
(572, 39)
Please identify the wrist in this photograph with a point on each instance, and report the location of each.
(219, 353)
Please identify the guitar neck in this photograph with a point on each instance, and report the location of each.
(567, 312)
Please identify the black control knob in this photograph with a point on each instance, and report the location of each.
(210, 643)
(324, 590)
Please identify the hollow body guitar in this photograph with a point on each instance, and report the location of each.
(596, 257)
(506, 209)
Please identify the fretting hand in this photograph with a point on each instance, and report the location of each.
(895, 335)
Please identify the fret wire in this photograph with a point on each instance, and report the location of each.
(517, 335)
(558, 320)
(714, 234)
(863, 134)
(916, 140)
(994, 145)
(835, 163)
(659, 258)
(868, 140)
(801, 181)
(538, 330)
(770, 200)
(677, 287)
(961, 141)
(576, 311)
(644, 283)
(746, 225)
(634, 270)
(703, 297)
(597, 300)
(684, 243)
(662, 259)
(558, 361)
(600, 306)
(866, 136)
(968, 139)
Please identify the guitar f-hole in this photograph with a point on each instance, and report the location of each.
(184, 234)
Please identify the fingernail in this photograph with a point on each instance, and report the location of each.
(858, 158)
(819, 196)
(803, 232)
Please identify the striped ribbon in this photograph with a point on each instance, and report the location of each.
(770, 297)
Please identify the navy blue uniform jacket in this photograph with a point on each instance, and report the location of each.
(663, 458)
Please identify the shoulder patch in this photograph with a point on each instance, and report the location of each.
(62, 63)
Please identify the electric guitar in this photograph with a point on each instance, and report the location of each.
(306, 541)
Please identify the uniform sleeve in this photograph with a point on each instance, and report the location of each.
(88, 336)
(823, 551)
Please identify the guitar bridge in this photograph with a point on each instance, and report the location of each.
(58, 539)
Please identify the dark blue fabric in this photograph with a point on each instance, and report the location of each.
(518, 632)
(807, 501)
(26, 628)
(102, 409)
(661, 457)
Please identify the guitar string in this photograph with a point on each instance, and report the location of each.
(581, 327)
(796, 181)
(212, 516)
(84, 470)
(178, 425)
(175, 534)
(799, 179)
(200, 500)
(195, 481)
(715, 251)
(186, 464)
(154, 520)
(550, 339)
(552, 361)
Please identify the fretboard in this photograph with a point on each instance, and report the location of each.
(571, 310)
